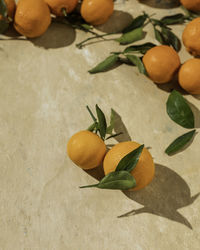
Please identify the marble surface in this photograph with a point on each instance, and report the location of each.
(44, 90)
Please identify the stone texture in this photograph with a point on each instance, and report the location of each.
(44, 90)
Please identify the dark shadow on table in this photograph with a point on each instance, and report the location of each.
(167, 193)
(162, 4)
(58, 35)
(116, 23)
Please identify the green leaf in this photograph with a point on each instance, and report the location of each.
(138, 62)
(158, 36)
(180, 142)
(173, 19)
(105, 65)
(142, 48)
(179, 110)
(101, 122)
(3, 26)
(112, 123)
(3, 8)
(129, 161)
(171, 39)
(130, 37)
(121, 180)
(136, 23)
(156, 22)
(86, 26)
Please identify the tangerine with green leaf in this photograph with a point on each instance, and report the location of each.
(144, 170)
(86, 149)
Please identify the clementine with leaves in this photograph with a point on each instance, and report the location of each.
(144, 170)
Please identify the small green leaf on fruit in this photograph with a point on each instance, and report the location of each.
(101, 122)
(129, 162)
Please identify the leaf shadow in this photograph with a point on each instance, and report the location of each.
(116, 23)
(58, 35)
(160, 199)
(161, 4)
(196, 113)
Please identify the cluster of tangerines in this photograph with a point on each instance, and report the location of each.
(88, 151)
(33, 17)
(163, 62)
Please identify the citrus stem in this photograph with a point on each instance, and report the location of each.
(93, 117)
(64, 12)
(81, 44)
(95, 185)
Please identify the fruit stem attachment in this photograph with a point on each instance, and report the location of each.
(64, 12)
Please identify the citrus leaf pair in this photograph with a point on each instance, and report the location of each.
(136, 23)
(180, 112)
(121, 179)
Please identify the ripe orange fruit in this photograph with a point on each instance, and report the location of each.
(96, 12)
(11, 6)
(191, 37)
(191, 4)
(32, 17)
(189, 76)
(161, 63)
(86, 149)
(144, 170)
(56, 6)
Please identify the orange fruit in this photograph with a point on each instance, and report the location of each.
(11, 6)
(86, 149)
(161, 63)
(56, 6)
(32, 17)
(189, 76)
(191, 37)
(96, 12)
(191, 4)
(144, 170)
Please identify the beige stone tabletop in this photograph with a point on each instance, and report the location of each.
(44, 88)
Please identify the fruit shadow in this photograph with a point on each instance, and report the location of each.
(116, 23)
(161, 4)
(164, 196)
(58, 35)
